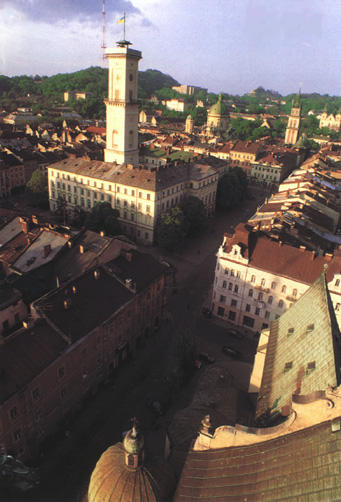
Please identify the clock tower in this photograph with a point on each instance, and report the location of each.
(293, 127)
(121, 104)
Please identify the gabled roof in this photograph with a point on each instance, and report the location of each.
(303, 351)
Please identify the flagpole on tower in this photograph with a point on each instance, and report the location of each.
(124, 26)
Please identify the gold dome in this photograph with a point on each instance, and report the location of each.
(112, 480)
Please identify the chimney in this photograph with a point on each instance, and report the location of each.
(46, 250)
(302, 248)
(130, 284)
(69, 244)
(35, 219)
(24, 225)
(328, 256)
(313, 255)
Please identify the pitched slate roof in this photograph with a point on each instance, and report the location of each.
(303, 351)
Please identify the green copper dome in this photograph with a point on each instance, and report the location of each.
(219, 108)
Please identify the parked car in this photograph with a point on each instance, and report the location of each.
(230, 351)
(234, 333)
(206, 358)
(206, 312)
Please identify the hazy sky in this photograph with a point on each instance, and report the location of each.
(225, 45)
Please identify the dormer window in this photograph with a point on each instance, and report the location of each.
(337, 282)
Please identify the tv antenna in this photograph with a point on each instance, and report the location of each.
(103, 46)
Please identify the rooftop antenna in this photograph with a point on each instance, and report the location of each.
(103, 46)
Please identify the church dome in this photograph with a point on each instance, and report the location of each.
(219, 108)
(122, 474)
(112, 480)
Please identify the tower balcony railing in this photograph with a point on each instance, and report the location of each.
(120, 101)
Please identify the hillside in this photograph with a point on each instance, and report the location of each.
(93, 80)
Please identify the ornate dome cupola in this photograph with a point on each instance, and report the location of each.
(122, 473)
(133, 445)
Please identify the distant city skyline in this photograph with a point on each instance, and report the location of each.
(224, 45)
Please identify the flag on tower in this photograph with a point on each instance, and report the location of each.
(122, 20)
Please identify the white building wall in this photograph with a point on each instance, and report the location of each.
(252, 298)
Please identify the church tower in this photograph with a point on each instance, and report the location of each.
(121, 104)
(293, 127)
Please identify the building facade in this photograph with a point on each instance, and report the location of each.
(77, 336)
(258, 279)
(140, 195)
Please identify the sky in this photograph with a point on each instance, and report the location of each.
(232, 46)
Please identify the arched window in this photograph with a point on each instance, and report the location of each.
(270, 299)
(253, 278)
(294, 293)
(284, 288)
(251, 292)
(262, 282)
(280, 303)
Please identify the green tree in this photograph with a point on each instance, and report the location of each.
(199, 115)
(171, 228)
(195, 215)
(38, 182)
(103, 217)
(37, 190)
(232, 188)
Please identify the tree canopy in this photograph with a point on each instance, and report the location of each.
(195, 215)
(232, 188)
(171, 228)
(37, 190)
(103, 217)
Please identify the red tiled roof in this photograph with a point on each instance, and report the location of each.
(281, 259)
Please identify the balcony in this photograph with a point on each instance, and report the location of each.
(262, 288)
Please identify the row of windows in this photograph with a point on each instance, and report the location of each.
(82, 190)
(274, 285)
